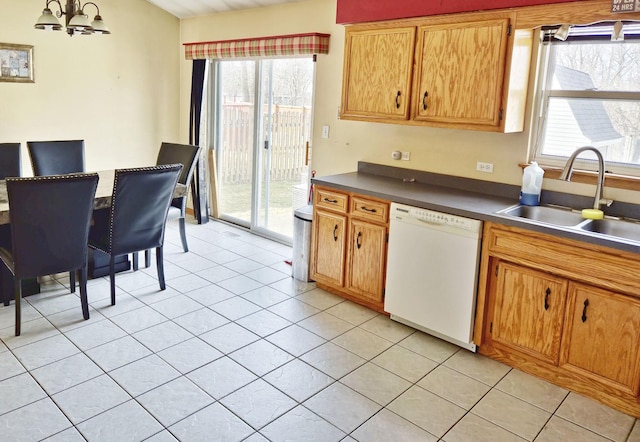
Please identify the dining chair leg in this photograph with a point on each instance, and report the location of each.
(183, 234)
(72, 281)
(4, 285)
(112, 278)
(160, 267)
(147, 258)
(18, 297)
(83, 292)
(134, 257)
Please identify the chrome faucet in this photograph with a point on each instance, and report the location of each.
(568, 171)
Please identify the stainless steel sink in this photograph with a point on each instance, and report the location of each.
(566, 217)
(549, 215)
(613, 227)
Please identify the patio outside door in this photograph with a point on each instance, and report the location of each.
(261, 149)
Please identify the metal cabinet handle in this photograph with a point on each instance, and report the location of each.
(335, 232)
(546, 298)
(327, 200)
(424, 100)
(358, 242)
(367, 209)
(584, 310)
(398, 100)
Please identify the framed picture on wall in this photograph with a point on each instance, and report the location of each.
(16, 63)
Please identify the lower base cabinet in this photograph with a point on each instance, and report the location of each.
(601, 338)
(366, 260)
(562, 310)
(529, 310)
(329, 241)
(349, 245)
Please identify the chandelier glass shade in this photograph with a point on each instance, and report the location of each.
(76, 20)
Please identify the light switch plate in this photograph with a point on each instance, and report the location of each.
(325, 131)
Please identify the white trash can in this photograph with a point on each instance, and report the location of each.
(301, 242)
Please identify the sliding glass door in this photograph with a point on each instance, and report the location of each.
(235, 108)
(263, 111)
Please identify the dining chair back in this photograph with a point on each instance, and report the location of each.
(50, 219)
(187, 155)
(56, 157)
(137, 216)
(10, 160)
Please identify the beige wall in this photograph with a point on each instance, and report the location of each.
(446, 151)
(118, 92)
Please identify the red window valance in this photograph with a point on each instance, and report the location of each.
(281, 45)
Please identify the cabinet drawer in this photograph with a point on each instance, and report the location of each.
(332, 200)
(368, 209)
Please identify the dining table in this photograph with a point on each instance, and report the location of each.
(102, 200)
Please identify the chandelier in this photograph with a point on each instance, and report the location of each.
(76, 20)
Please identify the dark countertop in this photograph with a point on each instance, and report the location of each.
(466, 197)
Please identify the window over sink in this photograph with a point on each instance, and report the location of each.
(589, 95)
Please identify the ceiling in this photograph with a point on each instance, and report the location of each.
(193, 8)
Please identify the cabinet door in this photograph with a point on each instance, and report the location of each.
(366, 264)
(460, 72)
(529, 311)
(378, 65)
(602, 337)
(329, 240)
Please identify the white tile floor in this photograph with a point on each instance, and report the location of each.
(235, 349)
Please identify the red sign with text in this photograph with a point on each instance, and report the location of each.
(625, 6)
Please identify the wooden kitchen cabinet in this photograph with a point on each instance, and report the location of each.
(460, 72)
(349, 245)
(367, 259)
(529, 310)
(377, 72)
(467, 71)
(563, 310)
(601, 338)
(329, 240)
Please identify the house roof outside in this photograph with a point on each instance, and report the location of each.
(590, 115)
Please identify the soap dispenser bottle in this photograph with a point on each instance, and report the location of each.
(531, 185)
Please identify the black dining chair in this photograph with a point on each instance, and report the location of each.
(10, 160)
(50, 218)
(137, 216)
(56, 157)
(187, 155)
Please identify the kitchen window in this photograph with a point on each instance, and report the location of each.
(589, 95)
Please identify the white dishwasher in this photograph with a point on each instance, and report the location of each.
(432, 272)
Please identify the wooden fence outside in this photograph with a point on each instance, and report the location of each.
(289, 133)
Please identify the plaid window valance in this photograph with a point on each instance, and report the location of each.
(282, 45)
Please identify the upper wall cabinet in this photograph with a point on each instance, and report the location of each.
(460, 72)
(379, 61)
(468, 71)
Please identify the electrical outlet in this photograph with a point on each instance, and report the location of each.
(484, 167)
(325, 131)
(406, 156)
(396, 155)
